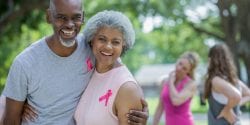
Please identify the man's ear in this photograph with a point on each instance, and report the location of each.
(48, 16)
(83, 18)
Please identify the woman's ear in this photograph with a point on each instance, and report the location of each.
(90, 44)
(123, 47)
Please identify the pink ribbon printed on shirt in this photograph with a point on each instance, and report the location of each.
(89, 64)
(106, 97)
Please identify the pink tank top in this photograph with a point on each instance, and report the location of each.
(176, 115)
(95, 105)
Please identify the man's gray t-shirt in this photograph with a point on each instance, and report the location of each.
(52, 84)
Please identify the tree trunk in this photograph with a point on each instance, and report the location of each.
(247, 64)
(229, 27)
(243, 16)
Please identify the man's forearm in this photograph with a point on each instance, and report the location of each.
(12, 121)
(13, 112)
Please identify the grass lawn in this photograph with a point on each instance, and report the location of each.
(196, 123)
(200, 122)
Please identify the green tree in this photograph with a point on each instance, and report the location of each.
(166, 41)
(23, 21)
(19, 21)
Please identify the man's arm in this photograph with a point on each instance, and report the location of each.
(2, 108)
(13, 112)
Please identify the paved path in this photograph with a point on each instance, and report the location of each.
(245, 118)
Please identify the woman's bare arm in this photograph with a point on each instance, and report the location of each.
(179, 98)
(232, 93)
(128, 97)
(245, 94)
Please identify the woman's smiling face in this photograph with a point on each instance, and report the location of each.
(107, 46)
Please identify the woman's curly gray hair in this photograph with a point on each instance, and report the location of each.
(113, 19)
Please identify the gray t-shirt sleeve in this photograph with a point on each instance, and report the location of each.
(16, 84)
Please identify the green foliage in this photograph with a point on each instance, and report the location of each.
(164, 45)
(9, 50)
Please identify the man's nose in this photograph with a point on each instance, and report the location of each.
(70, 24)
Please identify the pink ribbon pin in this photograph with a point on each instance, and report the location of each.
(89, 64)
(106, 97)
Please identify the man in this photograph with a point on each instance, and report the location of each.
(52, 73)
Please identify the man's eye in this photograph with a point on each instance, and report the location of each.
(61, 17)
(77, 18)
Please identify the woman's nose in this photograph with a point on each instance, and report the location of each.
(109, 46)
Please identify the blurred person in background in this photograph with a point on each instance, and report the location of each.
(223, 89)
(177, 92)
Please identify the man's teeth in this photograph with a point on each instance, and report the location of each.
(106, 54)
(68, 32)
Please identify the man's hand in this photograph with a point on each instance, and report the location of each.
(136, 117)
(29, 113)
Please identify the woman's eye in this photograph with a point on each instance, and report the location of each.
(102, 39)
(116, 42)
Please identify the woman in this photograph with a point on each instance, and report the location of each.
(112, 90)
(224, 91)
(177, 92)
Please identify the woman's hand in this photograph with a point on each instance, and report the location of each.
(172, 77)
(29, 113)
(229, 115)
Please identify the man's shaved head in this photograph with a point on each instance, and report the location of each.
(66, 17)
(52, 3)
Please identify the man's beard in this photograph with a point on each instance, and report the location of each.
(67, 43)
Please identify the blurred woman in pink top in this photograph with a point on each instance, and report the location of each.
(177, 92)
(112, 90)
